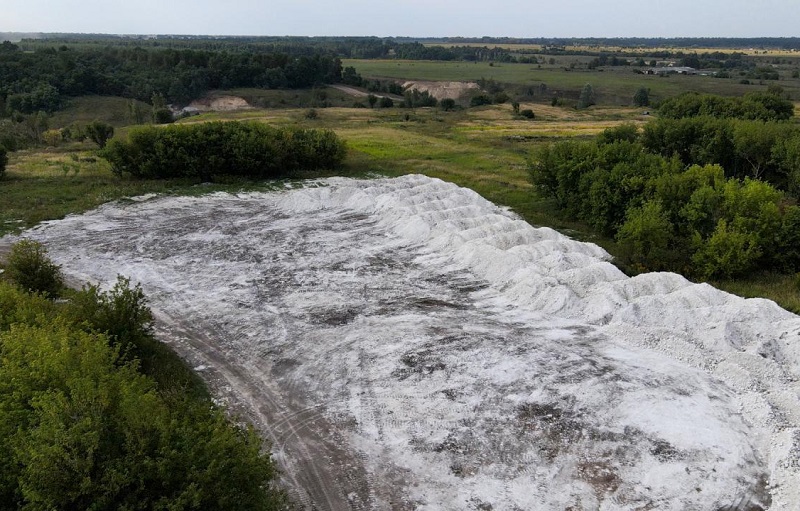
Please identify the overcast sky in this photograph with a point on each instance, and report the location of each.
(469, 18)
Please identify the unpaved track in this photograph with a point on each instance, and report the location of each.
(317, 463)
(363, 94)
(315, 468)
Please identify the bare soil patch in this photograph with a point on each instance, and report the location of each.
(220, 104)
(443, 90)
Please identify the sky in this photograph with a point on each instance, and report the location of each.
(414, 18)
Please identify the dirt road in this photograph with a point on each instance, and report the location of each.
(363, 94)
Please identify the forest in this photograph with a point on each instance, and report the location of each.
(38, 81)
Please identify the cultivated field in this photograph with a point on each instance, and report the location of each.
(613, 86)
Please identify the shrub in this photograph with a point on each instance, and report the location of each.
(641, 97)
(120, 313)
(29, 267)
(3, 160)
(447, 104)
(385, 102)
(82, 429)
(223, 148)
(527, 113)
(99, 132)
(480, 100)
(500, 98)
(628, 132)
(727, 253)
(587, 97)
(645, 238)
(162, 116)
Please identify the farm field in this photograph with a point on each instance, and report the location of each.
(613, 87)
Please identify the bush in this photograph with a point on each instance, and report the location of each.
(641, 97)
(645, 238)
(120, 313)
(627, 132)
(447, 104)
(3, 160)
(480, 100)
(81, 428)
(29, 267)
(587, 97)
(727, 253)
(223, 148)
(99, 132)
(385, 102)
(162, 116)
(527, 113)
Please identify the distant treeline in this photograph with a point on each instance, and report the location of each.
(37, 81)
(708, 195)
(342, 47)
(636, 42)
(327, 42)
(214, 149)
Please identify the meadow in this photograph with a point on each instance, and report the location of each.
(613, 86)
(483, 148)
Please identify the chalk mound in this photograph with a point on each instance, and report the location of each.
(219, 104)
(442, 90)
(470, 359)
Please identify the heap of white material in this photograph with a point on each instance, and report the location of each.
(489, 362)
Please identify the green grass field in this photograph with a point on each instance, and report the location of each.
(112, 110)
(613, 86)
(483, 148)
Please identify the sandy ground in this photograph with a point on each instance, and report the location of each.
(405, 344)
(443, 90)
(220, 104)
(358, 93)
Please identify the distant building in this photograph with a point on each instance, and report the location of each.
(672, 71)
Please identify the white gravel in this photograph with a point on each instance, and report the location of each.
(469, 358)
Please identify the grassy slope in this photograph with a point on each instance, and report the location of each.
(112, 110)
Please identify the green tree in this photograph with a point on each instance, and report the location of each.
(587, 97)
(642, 97)
(120, 313)
(786, 155)
(99, 132)
(645, 238)
(627, 132)
(480, 100)
(372, 99)
(3, 160)
(81, 429)
(447, 104)
(136, 112)
(727, 253)
(29, 267)
(161, 113)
